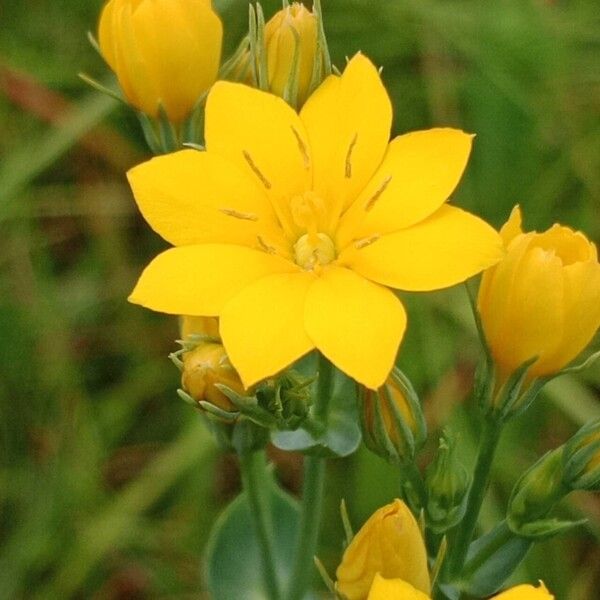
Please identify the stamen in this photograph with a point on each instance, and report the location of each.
(349, 156)
(371, 203)
(360, 244)
(302, 147)
(230, 212)
(256, 170)
(264, 246)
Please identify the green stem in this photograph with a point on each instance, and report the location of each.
(413, 487)
(463, 534)
(257, 484)
(312, 494)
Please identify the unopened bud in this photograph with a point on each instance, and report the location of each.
(392, 419)
(582, 458)
(534, 496)
(447, 482)
(203, 368)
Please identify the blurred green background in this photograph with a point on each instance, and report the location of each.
(108, 482)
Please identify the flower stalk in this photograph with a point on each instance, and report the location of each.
(312, 495)
(256, 482)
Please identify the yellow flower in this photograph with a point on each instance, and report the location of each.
(205, 366)
(542, 300)
(396, 589)
(162, 51)
(292, 27)
(390, 544)
(291, 227)
(207, 326)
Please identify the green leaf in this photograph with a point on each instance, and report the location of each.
(233, 567)
(340, 437)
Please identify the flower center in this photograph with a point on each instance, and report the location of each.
(311, 251)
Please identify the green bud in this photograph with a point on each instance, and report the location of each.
(392, 419)
(448, 483)
(582, 458)
(535, 495)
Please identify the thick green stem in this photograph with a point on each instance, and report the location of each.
(312, 494)
(257, 483)
(463, 533)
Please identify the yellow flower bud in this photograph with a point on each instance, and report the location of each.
(389, 543)
(294, 26)
(542, 300)
(392, 419)
(164, 52)
(525, 592)
(205, 366)
(394, 589)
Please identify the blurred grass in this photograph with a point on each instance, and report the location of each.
(108, 483)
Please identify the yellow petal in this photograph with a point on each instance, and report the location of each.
(261, 134)
(348, 121)
(356, 324)
(513, 227)
(200, 280)
(525, 592)
(533, 321)
(419, 172)
(447, 248)
(394, 589)
(582, 313)
(263, 326)
(192, 197)
(106, 34)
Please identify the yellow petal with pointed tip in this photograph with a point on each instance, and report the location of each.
(525, 592)
(263, 327)
(394, 589)
(261, 134)
(419, 172)
(445, 249)
(200, 280)
(348, 121)
(513, 227)
(356, 324)
(192, 197)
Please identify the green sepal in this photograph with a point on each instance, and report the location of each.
(99, 87)
(545, 528)
(340, 436)
(233, 559)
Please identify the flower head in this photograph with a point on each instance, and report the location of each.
(542, 300)
(164, 52)
(389, 544)
(292, 227)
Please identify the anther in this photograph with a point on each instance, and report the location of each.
(302, 147)
(256, 170)
(349, 156)
(264, 246)
(360, 244)
(230, 212)
(373, 200)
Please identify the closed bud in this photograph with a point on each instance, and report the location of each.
(582, 458)
(447, 483)
(389, 543)
(203, 368)
(392, 419)
(541, 303)
(534, 496)
(525, 592)
(291, 35)
(165, 53)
